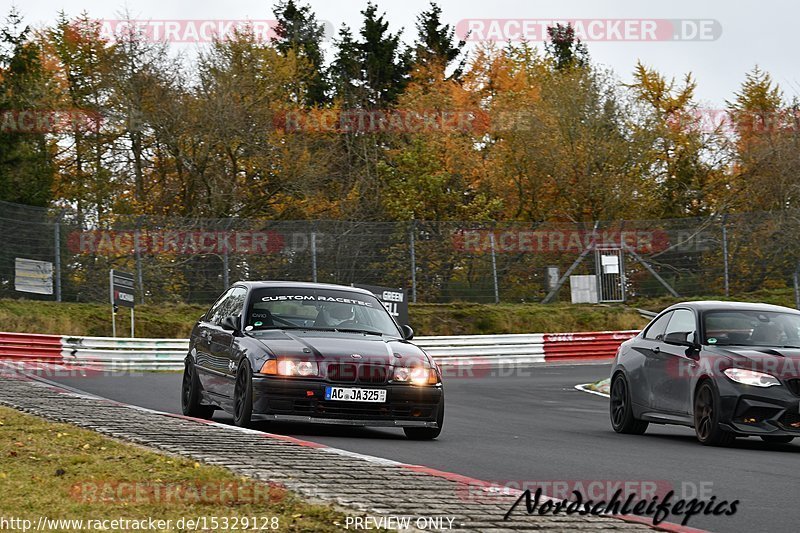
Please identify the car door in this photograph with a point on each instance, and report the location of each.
(205, 359)
(223, 340)
(218, 340)
(650, 347)
(674, 366)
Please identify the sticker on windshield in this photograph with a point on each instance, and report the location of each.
(712, 340)
(257, 324)
(318, 298)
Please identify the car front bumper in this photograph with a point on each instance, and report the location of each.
(748, 410)
(303, 400)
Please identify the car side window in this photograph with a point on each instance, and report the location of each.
(655, 331)
(682, 321)
(232, 304)
(213, 312)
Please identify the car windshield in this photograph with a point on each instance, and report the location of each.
(318, 309)
(752, 328)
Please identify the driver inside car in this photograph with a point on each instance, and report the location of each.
(767, 334)
(336, 316)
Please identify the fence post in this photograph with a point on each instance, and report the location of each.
(413, 252)
(57, 258)
(314, 255)
(138, 254)
(797, 287)
(225, 272)
(725, 255)
(494, 268)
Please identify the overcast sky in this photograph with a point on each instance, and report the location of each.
(735, 35)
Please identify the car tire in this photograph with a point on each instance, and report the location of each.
(190, 394)
(777, 439)
(427, 433)
(621, 409)
(243, 396)
(706, 417)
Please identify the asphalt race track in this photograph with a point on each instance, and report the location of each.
(534, 425)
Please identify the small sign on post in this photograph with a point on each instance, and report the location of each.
(123, 294)
(395, 301)
(31, 276)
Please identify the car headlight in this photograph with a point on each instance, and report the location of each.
(750, 377)
(290, 368)
(417, 375)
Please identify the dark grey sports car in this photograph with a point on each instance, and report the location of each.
(726, 369)
(308, 352)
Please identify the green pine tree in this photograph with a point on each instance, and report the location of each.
(565, 48)
(436, 45)
(299, 31)
(26, 159)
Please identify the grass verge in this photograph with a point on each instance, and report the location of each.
(176, 321)
(63, 472)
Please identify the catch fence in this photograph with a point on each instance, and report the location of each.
(192, 260)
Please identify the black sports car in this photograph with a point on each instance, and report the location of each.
(310, 352)
(726, 369)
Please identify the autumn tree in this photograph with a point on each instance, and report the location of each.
(84, 61)
(685, 149)
(767, 140)
(142, 67)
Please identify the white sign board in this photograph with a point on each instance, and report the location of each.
(610, 264)
(33, 276)
(583, 289)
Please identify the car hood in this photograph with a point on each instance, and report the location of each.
(341, 347)
(783, 362)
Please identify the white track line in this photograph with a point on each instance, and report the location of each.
(584, 388)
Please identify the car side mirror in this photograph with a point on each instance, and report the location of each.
(680, 338)
(230, 323)
(408, 332)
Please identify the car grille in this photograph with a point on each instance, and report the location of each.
(794, 386)
(355, 373)
(394, 410)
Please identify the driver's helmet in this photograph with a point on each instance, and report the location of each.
(340, 314)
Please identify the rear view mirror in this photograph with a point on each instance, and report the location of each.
(408, 333)
(230, 323)
(680, 338)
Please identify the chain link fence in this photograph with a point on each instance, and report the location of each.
(192, 260)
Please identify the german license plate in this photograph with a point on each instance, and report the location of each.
(349, 394)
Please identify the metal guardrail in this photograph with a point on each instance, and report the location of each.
(449, 351)
(21, 346)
